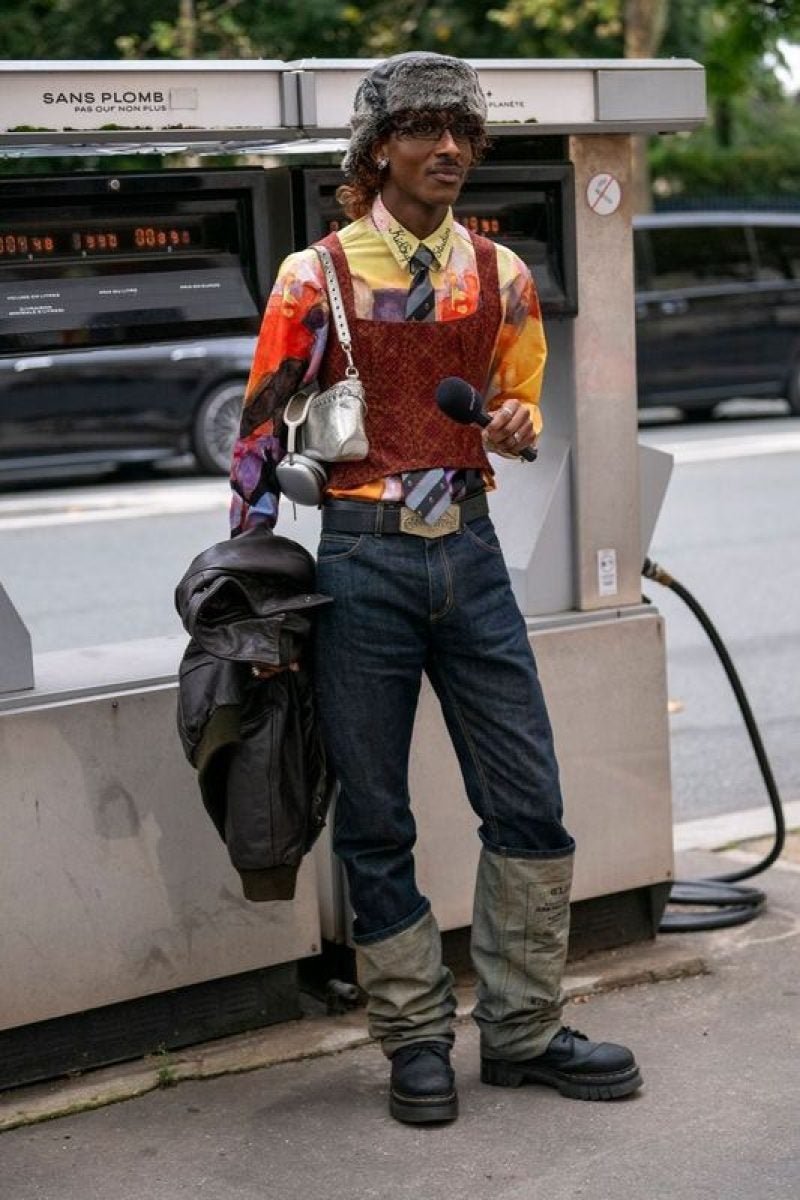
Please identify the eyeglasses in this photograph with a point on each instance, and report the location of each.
(431, 129)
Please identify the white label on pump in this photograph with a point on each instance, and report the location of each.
(607, 572)
(603, 194)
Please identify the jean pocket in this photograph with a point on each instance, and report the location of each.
(333, 547)
(482, 533)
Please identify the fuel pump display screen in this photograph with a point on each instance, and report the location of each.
(51, 241)
(528, 209)
(106, 268)
(528, 221)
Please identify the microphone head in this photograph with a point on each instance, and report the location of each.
(458, 400)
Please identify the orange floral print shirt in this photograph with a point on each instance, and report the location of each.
(295, 330)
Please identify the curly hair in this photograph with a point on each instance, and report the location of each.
(356, 196)
(364, 178)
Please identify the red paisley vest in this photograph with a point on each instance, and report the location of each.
(400, 364)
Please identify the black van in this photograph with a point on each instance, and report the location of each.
(717, 308)
(97, 407)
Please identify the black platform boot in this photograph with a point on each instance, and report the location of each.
(579, 1068)
(423, 1085)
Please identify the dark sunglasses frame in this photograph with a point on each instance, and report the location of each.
(429, 127)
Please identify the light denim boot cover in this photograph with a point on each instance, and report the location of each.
(409, 990)
(520, 930)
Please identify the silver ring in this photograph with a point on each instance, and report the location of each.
(254, 670)
(515, 437)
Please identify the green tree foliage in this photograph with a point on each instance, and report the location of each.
(246, 29)
(731, 37)
(763, 168)
(750, 147)
(286, 29)
(736, 40)
(560, 29)
(69, 29)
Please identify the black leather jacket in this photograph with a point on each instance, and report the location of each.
(255, 743)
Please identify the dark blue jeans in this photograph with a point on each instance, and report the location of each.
(404, 605)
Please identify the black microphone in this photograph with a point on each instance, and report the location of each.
(459, 401)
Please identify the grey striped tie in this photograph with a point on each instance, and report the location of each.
(420, 298)
(426, 492)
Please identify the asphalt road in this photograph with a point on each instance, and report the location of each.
(96, 563)
(729, 531)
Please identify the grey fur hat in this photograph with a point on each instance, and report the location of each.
(418, 80)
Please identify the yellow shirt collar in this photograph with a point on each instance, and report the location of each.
(403, 244)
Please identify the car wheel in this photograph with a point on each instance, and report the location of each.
(793, 388)
(216, 427)
(698, 414)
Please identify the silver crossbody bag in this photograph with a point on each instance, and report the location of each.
(334, 426)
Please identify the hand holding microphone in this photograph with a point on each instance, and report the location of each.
(509, 428)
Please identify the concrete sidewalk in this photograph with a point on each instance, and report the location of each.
(714, 1019)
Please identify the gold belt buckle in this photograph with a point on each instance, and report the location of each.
(448, 522)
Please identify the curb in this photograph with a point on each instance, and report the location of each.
(728, 829)
(312, 1037)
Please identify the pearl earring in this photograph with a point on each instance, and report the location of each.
(382, 164)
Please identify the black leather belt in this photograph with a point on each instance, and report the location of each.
(365, 516)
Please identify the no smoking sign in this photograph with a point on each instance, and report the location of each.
(603, 194)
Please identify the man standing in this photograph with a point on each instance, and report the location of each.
(411, 558)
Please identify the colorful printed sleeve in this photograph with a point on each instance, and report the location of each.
(520, 350)
(288, 355)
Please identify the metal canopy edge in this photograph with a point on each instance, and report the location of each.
(537, 95)
(223, 107)
(139, 65)
(46, 144)
(511, 64)
(146, 100)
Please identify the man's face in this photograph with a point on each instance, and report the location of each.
(430, 153)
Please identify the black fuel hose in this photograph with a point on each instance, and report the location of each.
(728, 905)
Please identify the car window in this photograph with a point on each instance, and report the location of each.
(641, 258)
(778, 251)
(699, 256)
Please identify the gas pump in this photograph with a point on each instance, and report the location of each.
(133, 900)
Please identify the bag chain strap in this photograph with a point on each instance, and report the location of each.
(337, 308)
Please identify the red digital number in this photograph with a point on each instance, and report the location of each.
(23, 243)
(148, 237)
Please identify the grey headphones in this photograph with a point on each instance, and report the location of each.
(301, 476)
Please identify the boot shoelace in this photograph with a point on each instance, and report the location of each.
(410, 1053)
(575, 1033)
